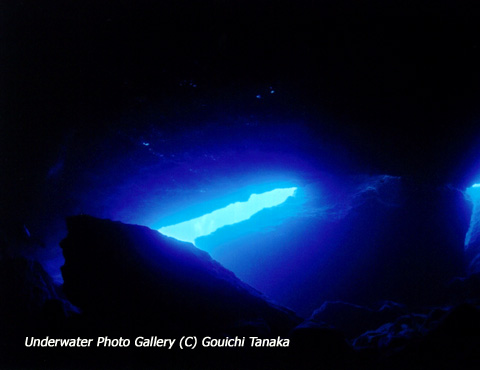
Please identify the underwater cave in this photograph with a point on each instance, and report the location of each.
(240, 169)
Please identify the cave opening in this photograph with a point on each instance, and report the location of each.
(231, 214)
(473, 193)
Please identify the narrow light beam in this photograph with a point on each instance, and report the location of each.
(234, 213)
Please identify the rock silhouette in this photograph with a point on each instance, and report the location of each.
(129, 278)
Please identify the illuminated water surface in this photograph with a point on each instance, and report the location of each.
(234, 213)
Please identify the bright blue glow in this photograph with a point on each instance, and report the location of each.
(473, 231)
(474, 192)
(234, 213)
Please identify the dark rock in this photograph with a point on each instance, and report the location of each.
(448, 339)
(464, 289)
(463, 320)
(131, 279)
(393, 335)
(318, 344)
(407, 328)
(434, 318)
(25, 286)
(29, 305)
(353, 320)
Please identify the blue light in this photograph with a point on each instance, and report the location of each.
(234, 213)
(473, 232)
(474, 192)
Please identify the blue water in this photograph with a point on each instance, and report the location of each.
(234, 213)
(473, 231)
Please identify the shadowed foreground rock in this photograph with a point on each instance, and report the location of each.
(129, 279)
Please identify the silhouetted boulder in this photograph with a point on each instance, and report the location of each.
(393, 335)
(353, 320)
(131, 279)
